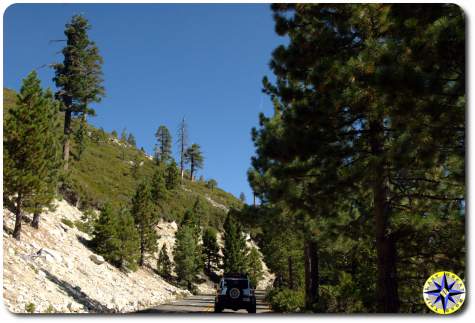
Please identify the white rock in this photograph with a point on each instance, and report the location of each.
(50, 255)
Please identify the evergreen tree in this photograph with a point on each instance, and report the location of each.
(131, 140)
(115, 238)
(135, 166)
(158, 189)
(164, 264)
(105, 240)
(194, 157)
(210, 249)
(31, 151)
(79, 77)
(199, 213)
(182, 144)
(187, 264)
(114, 134)
(127, 253)
(255, 270)
(172, 176)
(123, 135)
(235, 249)
(163, 148)
(211, 184)
(242, 197)
(145, 218)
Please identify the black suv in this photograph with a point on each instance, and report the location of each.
(235, 292)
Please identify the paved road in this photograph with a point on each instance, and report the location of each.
(204, 304)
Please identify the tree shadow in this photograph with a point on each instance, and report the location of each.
(86, 243)
(79, 296)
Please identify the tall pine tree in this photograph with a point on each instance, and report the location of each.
(145, 218)
(164, 264)
(79, 77)
(182, 142)
(31, 151)
(194, 157)
(163, 148)
(235, 249)
(211, 249)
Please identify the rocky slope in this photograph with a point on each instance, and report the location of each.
(51, 270)
(167, 230)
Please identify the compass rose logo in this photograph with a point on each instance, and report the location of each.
(444, 292)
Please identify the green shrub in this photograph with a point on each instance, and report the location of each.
(50, 309)
(30, 308)
(68, 222)
(286, 300)
(86, 224)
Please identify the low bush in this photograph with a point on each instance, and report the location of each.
(286, 300)
(67, 222)
(30, 308)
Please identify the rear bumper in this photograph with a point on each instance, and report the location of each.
(239, 303)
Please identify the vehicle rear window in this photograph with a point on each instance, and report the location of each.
(236, 283)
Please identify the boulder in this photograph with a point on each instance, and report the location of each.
(98, 260)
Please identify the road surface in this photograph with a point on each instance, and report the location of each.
(204, 304)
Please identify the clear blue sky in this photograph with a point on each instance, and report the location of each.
(163, 62)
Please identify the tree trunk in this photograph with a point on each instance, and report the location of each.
(142, 253)
(18, 218)
(312, 276)
(67, 135)
(291, 273)
(36, 220)
(386, 288)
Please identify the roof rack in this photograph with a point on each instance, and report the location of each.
(235, 275)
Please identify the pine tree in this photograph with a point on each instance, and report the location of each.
(211, 184)
(158, 187)
(210, 249)
(194, 157)
(242, 197)
(105, 240)
(123, 135)
(172, 176)
(31, 151)
(135, 166)
(235, 250)
(116, 238)
(127, 253)
(254, 265)
(79, 77)
(131, 140)
(163, 148)
(187, 264)
(164, 264)
(182, 144)
(114, 134)
(145, 218)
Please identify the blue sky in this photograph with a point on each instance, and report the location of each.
(163, 62)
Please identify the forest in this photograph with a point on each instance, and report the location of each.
(360, 170)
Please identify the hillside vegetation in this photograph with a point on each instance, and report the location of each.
(105, 173)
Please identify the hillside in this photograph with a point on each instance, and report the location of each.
(52, 270)
(104, 174)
